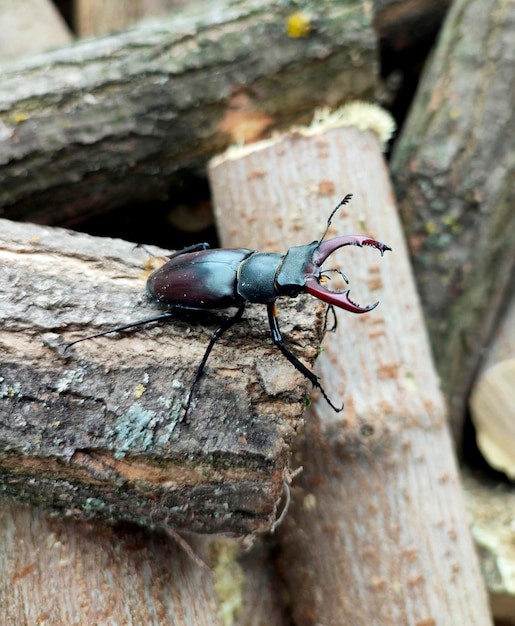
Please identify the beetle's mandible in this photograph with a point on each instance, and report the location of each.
(202, 279)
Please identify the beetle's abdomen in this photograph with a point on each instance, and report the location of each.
(256, 277)
(199, 280)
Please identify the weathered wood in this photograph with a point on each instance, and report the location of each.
(376, 531)
(97, 430)
(454, 171)
(74, 573)
(110, 121)
(58, 572)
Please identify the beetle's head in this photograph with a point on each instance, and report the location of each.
(315, 278)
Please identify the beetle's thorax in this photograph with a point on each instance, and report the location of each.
(264, 276)
(295, 265)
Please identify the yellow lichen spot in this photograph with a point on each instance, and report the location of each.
(452, 223)
(19, 117)
(454, 113)
(139, 390)
(431, 227)
(298, 25)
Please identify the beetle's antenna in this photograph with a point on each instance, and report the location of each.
(346, 200)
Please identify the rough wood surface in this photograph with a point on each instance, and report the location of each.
(376, 532)
(58, 572)
(110, 121)
(97, 430)
(454, 171)
(62, 572)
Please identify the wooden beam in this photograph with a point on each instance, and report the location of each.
(376, 529)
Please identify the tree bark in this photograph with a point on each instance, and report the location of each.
(454, 169)
(98, 430)
(111, 121)
(376, 531)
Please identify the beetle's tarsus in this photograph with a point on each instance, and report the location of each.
(196, 247)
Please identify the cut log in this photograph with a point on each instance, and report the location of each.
(111, 121)
(492, 401)
(64, 572)
(376, 531)
(98, 430)
(97, 17)
(490, 507)
(454, 169)
(59, 572)
(30, 27)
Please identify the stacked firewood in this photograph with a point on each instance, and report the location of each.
(373, 529)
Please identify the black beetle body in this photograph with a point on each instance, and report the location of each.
(200, 279)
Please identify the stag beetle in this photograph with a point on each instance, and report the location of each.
(198, 278)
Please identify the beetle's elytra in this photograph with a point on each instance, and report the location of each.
(202, 279)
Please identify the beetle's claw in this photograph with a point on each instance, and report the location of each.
(378, 245)
(355, 307)
(320, 254)
(339, 299)
(326, 248)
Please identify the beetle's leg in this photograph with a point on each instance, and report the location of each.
(193, 248)
(116, 329)
(215, 337)
(278, 340)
